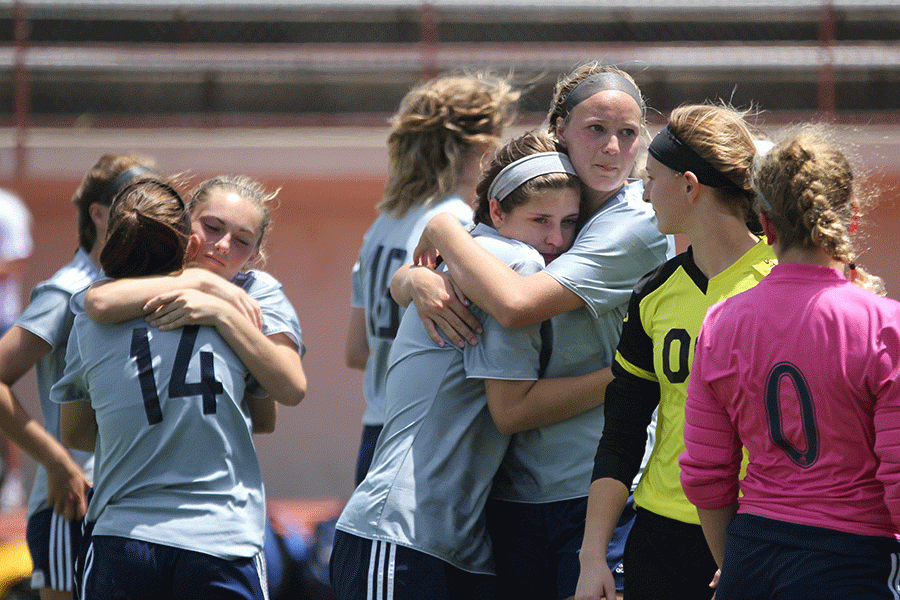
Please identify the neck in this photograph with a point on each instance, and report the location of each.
(94, 254)
(807, 256)
(597, 199)
(465, 190)
(719, 243)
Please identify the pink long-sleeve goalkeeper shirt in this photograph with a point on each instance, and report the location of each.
(804, 371)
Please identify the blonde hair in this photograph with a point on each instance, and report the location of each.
(250, 190)
(438, 123)
(569, 81)
(805, 188)
(721, 136)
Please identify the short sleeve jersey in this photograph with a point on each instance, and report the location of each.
(439, 449)
(278, 313)
(175, 461)
(388, 244)
(616, 247)
(657, 345)
(15, 244)
(804, 372)
(49, 317)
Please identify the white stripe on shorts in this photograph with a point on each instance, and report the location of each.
(385, 555)
(62, 562)
(260, 562)
(88, 565)
(894, 580)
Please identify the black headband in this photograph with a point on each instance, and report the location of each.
(119, 182)
(600, 82)
(678, 156)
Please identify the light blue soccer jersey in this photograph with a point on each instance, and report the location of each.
(49, 317)
(278, 313)
(614, 249)
(175, 461)
(388, 244)
(439, 449)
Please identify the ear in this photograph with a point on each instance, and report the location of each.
(193, 247)
(99, 213)
(497, 213)
(561, 131)
(691, 186)
(768, 229)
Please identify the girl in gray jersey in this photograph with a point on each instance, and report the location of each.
(596, 116)
(438, 137)
(178, 506)
(38, 339)
(230, 217)
(415, 526)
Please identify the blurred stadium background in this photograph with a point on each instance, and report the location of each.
(297, 93)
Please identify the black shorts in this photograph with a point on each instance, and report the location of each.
(118, 567)
(666, 558)
(53, 543)
(364, 569)
(536, 547)
(370, 435)
(765, 558)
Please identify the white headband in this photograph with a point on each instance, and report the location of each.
(518, 172)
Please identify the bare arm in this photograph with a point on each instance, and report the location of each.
(440, 304)
(263, 413)
(67, 486)
(715, 523)
(519, 405)
(513, 300)
(606, 501)
(274, 360)
(78, 425)
(12, 267)
(356, 352)
(114, 301)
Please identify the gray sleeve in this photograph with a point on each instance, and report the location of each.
(356, 296)
(48, 316)
(72, 385)
(610, 255)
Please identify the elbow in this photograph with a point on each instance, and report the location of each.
(507, 422)
(264, 428)
(97, 310)
(292, 395)
(77, 440)
(506, 428)
(355, 360)
(514, 312)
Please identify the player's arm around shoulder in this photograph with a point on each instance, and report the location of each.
(273, 360)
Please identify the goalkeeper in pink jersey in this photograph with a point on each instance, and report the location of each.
(803, 371)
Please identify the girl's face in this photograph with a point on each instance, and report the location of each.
(227, 229)
(664, 189)
(546, 222)
(602, 138)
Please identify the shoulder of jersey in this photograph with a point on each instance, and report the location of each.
(73, 277)
(658, 276)
(256, 280)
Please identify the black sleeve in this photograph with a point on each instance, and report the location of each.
(629, 405)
